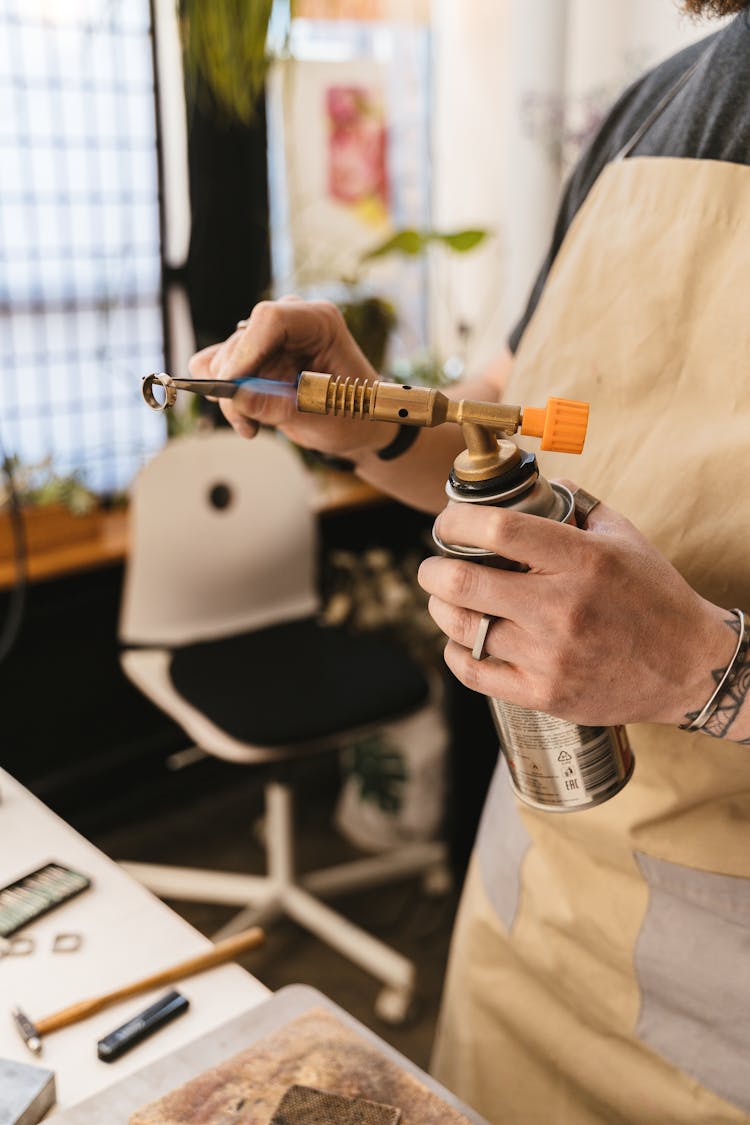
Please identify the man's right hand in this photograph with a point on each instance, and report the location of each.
(280, 339)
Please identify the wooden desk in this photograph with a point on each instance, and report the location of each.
(127, 933)
(107, 544)
(335, 492)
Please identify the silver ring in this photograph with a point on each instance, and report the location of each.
(483, 629)
(242, 324)
(168, 391)
(584, 504)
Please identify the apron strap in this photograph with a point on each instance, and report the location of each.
(668, 98)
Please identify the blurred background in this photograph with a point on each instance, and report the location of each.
(163, 166)
(153, 152)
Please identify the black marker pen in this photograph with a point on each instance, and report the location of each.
(141, 1026)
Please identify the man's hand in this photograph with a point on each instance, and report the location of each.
(280, 339)
(601, 630)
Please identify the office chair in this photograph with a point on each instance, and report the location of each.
(219, 629)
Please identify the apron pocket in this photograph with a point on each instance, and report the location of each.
(692, 961)
(502, 842)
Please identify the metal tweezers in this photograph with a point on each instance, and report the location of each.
(208, 388)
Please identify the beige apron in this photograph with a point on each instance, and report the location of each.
(600, 970)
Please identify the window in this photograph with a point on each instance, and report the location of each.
(80, 261)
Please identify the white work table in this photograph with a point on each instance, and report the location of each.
(127, 933)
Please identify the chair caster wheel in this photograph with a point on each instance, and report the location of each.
(437, 881)
(392, 1005)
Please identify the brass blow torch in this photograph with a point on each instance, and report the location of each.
(554, 764)
(561, 424)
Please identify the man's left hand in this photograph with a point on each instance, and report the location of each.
(600, 630)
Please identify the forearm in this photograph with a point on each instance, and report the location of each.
(418, 476)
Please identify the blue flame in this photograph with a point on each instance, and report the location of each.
(269, 386)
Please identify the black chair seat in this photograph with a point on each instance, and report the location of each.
(295, 682)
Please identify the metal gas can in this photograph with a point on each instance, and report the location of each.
(554, 764)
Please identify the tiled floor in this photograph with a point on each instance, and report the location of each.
(218, 832)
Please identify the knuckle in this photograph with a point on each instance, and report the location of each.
(330, 311)
(495, 526)
(576, 617)
(506, 526)
(601, 562)
(556, 694)
(332, 319)
(265, 314)
(463, 582)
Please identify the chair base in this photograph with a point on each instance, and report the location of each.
(281, 893)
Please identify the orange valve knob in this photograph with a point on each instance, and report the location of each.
(561, 424)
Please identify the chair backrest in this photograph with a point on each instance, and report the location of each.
(223, 539)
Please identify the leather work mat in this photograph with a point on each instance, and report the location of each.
(349, 1045)
(315, 1049)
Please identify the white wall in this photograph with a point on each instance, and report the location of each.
(505, 70)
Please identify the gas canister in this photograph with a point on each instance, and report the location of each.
(554, 764)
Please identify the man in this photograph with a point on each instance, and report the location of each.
(599, 969)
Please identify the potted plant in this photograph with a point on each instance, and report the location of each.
(371, 318)
(57, 510)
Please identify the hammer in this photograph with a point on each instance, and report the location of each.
(226, 950)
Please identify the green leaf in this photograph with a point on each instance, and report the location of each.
(415, 242)
(403, 242)
(462, 240)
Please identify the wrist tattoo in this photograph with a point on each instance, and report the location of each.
(735, 689)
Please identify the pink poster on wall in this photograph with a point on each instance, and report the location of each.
(357, 166)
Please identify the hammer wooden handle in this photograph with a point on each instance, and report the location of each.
(224, 951)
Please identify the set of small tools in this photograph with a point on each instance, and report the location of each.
(40, 891)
